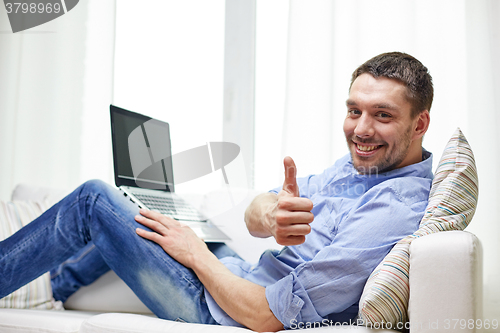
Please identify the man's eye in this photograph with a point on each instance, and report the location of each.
(384, 115)
(354, 112)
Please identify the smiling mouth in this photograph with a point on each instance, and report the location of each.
(366, 148)
(362, 149)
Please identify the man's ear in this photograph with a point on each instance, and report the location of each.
(421, 125)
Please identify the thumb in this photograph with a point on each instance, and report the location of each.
(290, 184)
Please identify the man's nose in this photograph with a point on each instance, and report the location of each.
(364, 126)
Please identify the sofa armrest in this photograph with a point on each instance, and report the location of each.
(445, 282)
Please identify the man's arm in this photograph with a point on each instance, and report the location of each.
(285, 216)
(242, 300)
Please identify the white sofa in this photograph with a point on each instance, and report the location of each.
(445, 284)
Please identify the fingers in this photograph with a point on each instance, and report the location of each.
(155, 221)
(295, 204)
(295, 229)
(292, 225)
(156, 216)
(293, 235)
(286, 219)
(291, 240)
(151, 214)
(292, 219)
(152, 236)
(290, 183)
(156, 226)
(158, 223)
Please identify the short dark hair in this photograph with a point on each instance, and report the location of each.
(406, 69)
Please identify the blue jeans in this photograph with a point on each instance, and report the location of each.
(91, 231)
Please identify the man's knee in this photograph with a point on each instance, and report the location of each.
(98, 189)
(96, 186)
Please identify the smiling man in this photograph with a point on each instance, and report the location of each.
(387, 115)
(336, 226)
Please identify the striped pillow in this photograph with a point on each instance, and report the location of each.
(452, 203)
(38, 293)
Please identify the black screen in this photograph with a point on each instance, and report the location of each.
(141, 150)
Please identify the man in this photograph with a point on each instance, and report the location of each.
(337, 226)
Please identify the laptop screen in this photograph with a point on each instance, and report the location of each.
(141, 151)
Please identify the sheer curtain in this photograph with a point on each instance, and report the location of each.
(169, 64)
(59, 78)
(326, 40)
(55, 80)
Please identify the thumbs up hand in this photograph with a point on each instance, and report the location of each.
(290, 185)
(290, 216)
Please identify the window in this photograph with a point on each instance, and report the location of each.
(169, 64)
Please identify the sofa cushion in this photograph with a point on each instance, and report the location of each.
(38, 293)
(36, 321)
(452, 203)
(124, 322)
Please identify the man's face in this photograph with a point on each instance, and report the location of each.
(378, 127)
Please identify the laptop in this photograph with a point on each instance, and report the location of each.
(143, 170)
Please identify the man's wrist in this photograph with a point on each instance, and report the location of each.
(201, 261)
(257, 215)
(269, 216)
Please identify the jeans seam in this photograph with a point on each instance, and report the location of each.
(71, 261)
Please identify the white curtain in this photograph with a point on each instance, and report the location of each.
(459, 41)
(56, 82)
(169, 64)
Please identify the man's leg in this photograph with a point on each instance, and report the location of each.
(98, 213)
(83, 268)
(87, 265)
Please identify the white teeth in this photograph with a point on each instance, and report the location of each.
(366, 148)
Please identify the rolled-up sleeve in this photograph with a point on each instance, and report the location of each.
(318, 288)
(283, 300)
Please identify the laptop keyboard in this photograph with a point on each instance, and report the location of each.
(179, 210)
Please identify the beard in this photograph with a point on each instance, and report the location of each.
(391, 159)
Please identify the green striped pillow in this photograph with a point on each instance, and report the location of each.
(452, 203)
(38, 293)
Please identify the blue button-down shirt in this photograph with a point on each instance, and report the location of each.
(357, 220)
